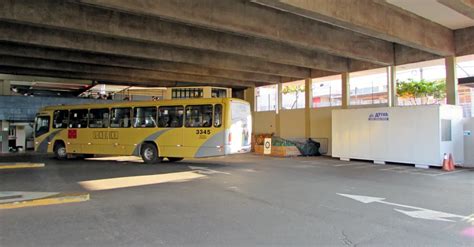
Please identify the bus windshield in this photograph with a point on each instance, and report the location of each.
(41, 125)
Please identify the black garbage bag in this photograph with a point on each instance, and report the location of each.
(309, 148)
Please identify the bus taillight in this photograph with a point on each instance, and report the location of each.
(230, 137)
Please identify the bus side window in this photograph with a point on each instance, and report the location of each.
(199, 116)
(99, 118)
(120, 117)
(217, 116)
(144, 117)
(78, 119)
(60, 119)
(170, 116)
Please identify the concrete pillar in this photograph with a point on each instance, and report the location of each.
(392, 86)
(451, 81)
(5, 87)
(21, 136)
(307, 107)
(346, 89)
(278, 110)
(4, 136)
(249, 96)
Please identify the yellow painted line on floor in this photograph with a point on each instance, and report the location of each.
(125, 182)
(20, 165)
(56, 199)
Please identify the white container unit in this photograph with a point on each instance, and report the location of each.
(417, 135)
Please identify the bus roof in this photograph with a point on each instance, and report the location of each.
(107, 104)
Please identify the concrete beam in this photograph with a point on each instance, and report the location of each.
(23, 34)
(110, 79)
(464, 7)
(406, 55)
(249, 19)
(43, 79)
(374, 18)
(464, 41)
(110, 70)
(64, 15)
(128, 62)
(355, 66)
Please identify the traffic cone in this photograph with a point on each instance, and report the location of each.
(451, 162)
(446, 163)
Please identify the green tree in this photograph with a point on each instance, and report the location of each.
(296, 89)
(423, 90)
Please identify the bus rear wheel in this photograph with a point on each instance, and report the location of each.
(60, 151)
(174, 159)
(149, 153)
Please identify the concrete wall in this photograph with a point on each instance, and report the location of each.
(292, 123)
(469, 143)
(264, 122)
(321, 121)
(21, 108)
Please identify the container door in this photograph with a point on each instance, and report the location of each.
(240, 132)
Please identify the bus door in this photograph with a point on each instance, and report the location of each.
(170, 134)
(203, 133)
(98, 132)
(121, 139)
(42, 130)
(77, 137)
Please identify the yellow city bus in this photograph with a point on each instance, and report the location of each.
(154, 130)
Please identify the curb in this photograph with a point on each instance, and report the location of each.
(20, 165)
(51, 200)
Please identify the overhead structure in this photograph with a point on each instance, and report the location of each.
(233, 43)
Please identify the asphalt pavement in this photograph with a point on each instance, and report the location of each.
(239, 200)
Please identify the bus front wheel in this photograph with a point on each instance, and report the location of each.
(60, 151)
(149, 153)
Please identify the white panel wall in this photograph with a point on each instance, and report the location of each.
(469, 143)
(457, 145)
(411, 135)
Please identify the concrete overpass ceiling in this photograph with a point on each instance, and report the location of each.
(234, 43)
(439, 11)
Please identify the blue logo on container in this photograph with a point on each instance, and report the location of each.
(378, 116)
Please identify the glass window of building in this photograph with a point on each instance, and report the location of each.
(218, 93)
(266, 98)
(465, 68)
(327, 91)
(369, 87)
(430, 74)
(185, 93)
(293, 95)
